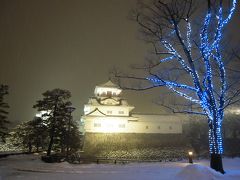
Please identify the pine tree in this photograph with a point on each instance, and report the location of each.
(75, 138)
(56, 105)
(30, 135)
(3, 112)
(38, 132)
(21, 136)
(68, 138)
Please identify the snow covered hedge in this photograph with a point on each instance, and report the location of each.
(159, 154)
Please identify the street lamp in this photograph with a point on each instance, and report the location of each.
(190, 155)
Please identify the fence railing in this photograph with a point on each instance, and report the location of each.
(103, 160)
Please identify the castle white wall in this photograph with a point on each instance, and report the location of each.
(136, 124)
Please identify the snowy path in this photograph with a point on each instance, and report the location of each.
(29, 167)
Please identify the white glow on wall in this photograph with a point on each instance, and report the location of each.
(109, 125)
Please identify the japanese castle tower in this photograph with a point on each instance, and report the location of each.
(108, 112)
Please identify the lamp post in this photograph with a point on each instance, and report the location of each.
(190, 155)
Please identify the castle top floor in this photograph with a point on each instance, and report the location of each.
(108, 89)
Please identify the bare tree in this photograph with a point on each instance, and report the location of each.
(189, 60)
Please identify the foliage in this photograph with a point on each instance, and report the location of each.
(68, 137)
(3, 112)
(231, 134)
(231, 126)
(57, 115)
(29, 135)
(197, 135)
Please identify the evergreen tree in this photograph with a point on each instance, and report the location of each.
(56, 105)
(75, 138)
(3, 112)
(38, 132)
(21, 136)
(31, 134)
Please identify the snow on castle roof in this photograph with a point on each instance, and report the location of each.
(109, 84)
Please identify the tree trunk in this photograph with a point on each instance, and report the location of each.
(37, 147)
(216, 163)
(52, 134)
(50, 146)
(29, 147)
(62, 148)
(216, 144)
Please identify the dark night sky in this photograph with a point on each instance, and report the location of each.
(68, 44)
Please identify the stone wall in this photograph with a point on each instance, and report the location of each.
(104, 144)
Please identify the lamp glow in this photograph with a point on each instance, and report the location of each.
(190, 157)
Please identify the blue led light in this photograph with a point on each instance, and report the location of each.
(212, 105)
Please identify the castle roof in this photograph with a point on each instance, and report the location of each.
(109, 84)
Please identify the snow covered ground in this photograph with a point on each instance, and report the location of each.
(30, 167)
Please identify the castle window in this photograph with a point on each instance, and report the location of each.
(170, 127)
(109, 112)
(146, 127)
(121, 125)
(104, 93)
(97, 124)
(120, 112)
(109, 93)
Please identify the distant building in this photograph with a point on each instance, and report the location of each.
(108, 112)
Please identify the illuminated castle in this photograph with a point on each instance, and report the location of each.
(107, 112)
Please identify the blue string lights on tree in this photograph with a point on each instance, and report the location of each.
(203, 90)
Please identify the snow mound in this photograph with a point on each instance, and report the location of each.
(198, 172)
